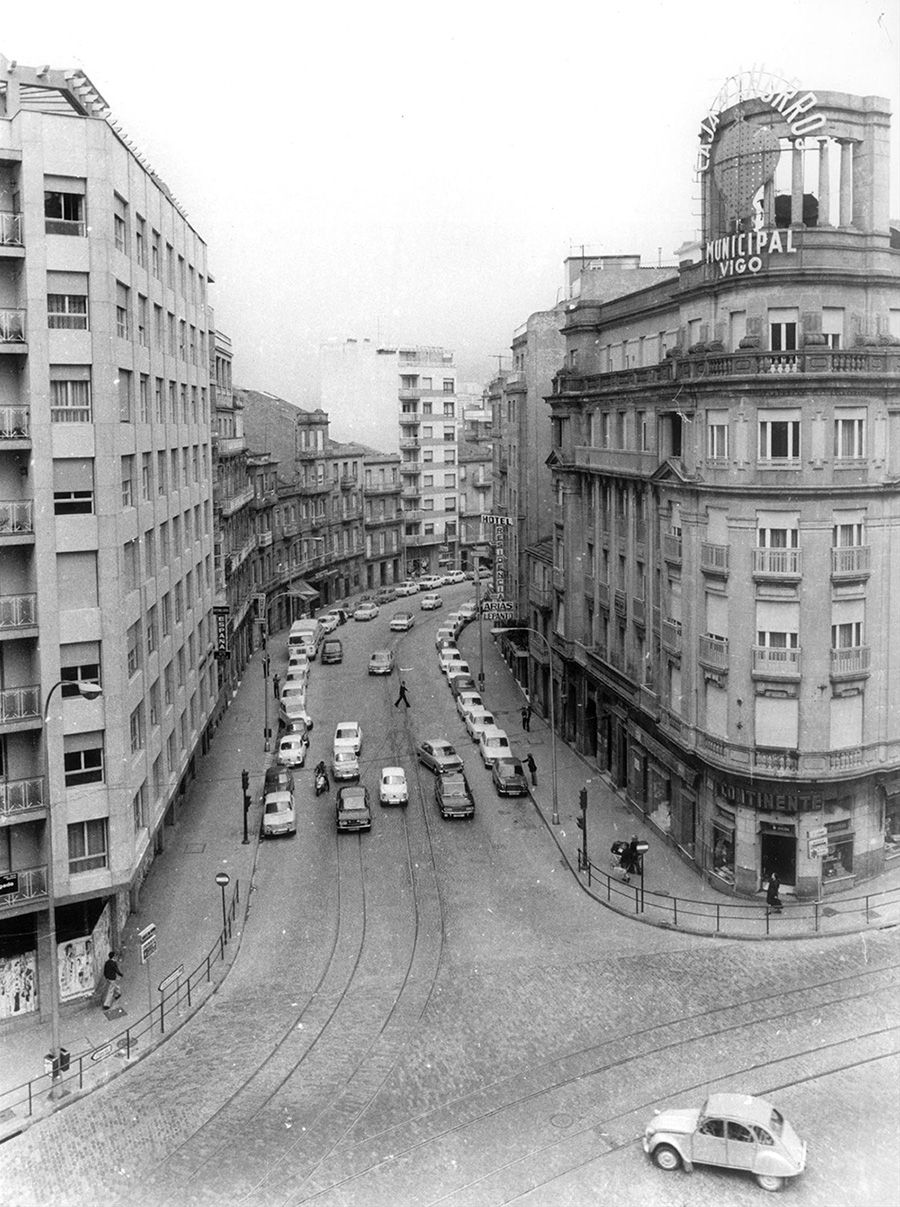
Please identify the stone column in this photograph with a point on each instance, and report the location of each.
(846, 212)
(769, 203)
(824, 183)
(797, 182)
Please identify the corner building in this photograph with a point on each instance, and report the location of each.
(726, 544)
(106, 551)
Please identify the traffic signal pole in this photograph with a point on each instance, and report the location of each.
(245, 784)
(582, 826)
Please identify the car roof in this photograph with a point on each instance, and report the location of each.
(346, 725)
(281, 797)
(514, 765)
(392, 771)
(740, 1106)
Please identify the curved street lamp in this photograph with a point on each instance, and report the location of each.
(520, 628)
(90, 691)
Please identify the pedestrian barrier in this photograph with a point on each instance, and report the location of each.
(25, 1100)
(744, 918)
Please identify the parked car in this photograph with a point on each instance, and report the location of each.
(344, 763)
(329, 621)
(444, 638)
(385, 595)
(294, 689)
(402, 622)
(366, 611)
(292, 711)
(736, 1131)
(297, 674)
(348, 733)
(353, 811)
(455, 622)
(381, 662)
(468, 610)
(292, 750)
(407, 588)
(439, 756)
(341, 613)
(332, 650)
(278, 779)
(449, 653)
(477, 720)
(455, 576)
(393, 789)
(460, 683)
(467, 700)
(279, 816)
(455, 666)
(430, 602)
(453, 796)
(298, 660)
(431, 582)
(493, 744)
(509, 777)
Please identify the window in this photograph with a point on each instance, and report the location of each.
(169, 684)
(450, 504)
(779, 436)
(170, 266)
(144, 399)
(136, 729)
(771, 640)
(71, 676)
(140, 241)
(848, 536)
(139, 808)
(449, 434)
(847, 636)
(73, 502)
(154, 253)
(120, 232)
(849, 434)
(70, 400)
(151, 629)
(87, 843)
(777, 538)
(64, 212)
(143, 310)
(127, 482)
(146, 477)
(449, 385)
(160, 398)
(833, 325)
(448, 410)
(450, 480)
(126, 396)
(133, 655)
(717, 435)
(67, 312)
(783, 330)
(123, 311)
(161, 479)
(83, 766)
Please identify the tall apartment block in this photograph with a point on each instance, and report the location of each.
(726, 509)
(106, 559)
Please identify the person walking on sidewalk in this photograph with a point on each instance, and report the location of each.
(526, 718)
(112, 972)
(276, 683)
(773, 901)
(402, 696)
(532, 767)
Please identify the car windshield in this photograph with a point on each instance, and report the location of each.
(444, 748)
(345, 735)
(353, 801)
(277, 806)
(344, 756)
(381, 657)
(393, 779)
(453, 785)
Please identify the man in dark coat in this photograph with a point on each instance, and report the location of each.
(772, 899)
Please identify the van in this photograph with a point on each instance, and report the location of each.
(492, 745)
(332, 650)
(306, 634)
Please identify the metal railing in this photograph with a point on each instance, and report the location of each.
(15, 423)
(749, 918)
(12, 326)
(10, 228)
(79, 1070)
(21, 796)
(20, 703)
(18, 611)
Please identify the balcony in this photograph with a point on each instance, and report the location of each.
(12, 329)
(410, 492)
(381, 488)
(603, 594)
(781, 564)
(850, 562)
(15, 425)
(16, 518)
(620, 602)
(18, 797)
(348, 482)
(318, 486)
(482, 484)
(422, 538)
(235, 502)
(713, 652)
(263, 539)
(850, 662)
(765, 759)
(31, 886)
(672, 548)
(671, 635)
(10, 229)
(771, 662)
(412, 515)
(18, 613)
(540, 595)
(20, 704)
(714, 558)
(410, 467)
(409, 393)
(228, 446)
(538, 649)
(410, 442)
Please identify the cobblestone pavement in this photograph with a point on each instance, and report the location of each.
(437, 1012)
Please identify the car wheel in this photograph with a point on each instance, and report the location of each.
(666, 1157)
(769, 1181)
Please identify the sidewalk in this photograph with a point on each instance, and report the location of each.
(179, 895)
(675, 893)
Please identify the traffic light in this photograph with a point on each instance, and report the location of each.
(245, 779)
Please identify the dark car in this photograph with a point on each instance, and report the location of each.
(439, 756)
(509, 777)
(385, 595)
(332, 650)
(278, 779)
(453, 796)
(353, 811)
(462, 683)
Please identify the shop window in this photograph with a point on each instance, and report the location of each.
(723, 849)
(838, 860)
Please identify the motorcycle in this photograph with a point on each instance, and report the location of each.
(321, 779)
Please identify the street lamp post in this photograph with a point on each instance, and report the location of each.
(90, 691)
(554, 819)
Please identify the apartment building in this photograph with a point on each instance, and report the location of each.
(106, 550)
(382, 518)
(725, 547)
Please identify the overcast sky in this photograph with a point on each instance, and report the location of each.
(418, 172)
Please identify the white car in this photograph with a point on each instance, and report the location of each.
(477, 721)
(366, 611)
(429, 603)
(393, 789)
(455, 666)
(455, 576)
(448, 654)
(329, 621)
(293, 712)
(292, 750)
(345, 763)
(297, 674)
(406, 588)
(298, 660)
(348, 734)
(455, 622)
(402, 622)
(444, 637)
(466, 701)
(431, 582)
(293, 690)
(492, 745)
(467, 611)
(279, 816)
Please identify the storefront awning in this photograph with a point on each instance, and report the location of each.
(302, 588)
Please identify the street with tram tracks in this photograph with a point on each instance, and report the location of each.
(435, 1012)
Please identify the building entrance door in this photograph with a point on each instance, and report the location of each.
(778, 854)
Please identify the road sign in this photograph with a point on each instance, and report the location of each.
(9, 883)
(817, 846)
(171, 979)
(504, 521)
(147, 939)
